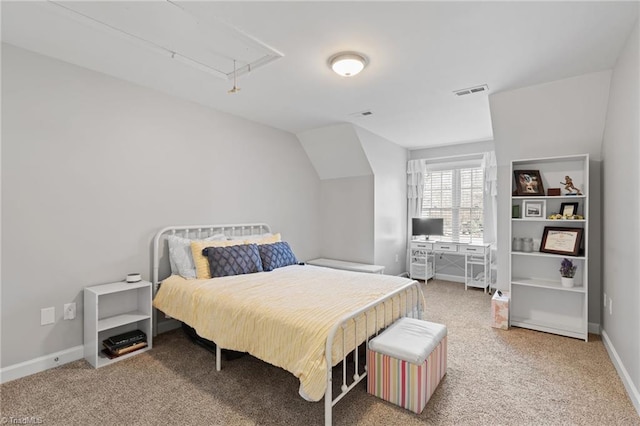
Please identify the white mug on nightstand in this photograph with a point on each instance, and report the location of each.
(134, 278)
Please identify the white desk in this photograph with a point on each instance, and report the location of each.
(347, 266)
(477, 261)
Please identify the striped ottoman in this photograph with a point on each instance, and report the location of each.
(406, 362)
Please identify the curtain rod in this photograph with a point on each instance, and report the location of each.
(455, 157)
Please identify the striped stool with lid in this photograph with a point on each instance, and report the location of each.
(406, 362)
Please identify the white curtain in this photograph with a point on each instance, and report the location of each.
(416, 169)
(490, 169)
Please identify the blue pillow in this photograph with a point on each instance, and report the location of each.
(233, 260)
(276, 255)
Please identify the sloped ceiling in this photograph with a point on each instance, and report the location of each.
(419, 53)
(336, 152)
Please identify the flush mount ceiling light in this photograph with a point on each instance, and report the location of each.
(347, 64)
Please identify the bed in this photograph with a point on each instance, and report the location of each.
(290, 316)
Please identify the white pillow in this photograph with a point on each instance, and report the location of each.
(180, 256)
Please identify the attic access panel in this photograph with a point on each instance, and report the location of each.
(169, 29)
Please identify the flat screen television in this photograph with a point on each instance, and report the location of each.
(427, 226)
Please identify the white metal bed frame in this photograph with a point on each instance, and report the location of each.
(412, 292)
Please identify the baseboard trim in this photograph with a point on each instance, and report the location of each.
(448, 277)
(593, 328)
(633, 392)
(37, 365)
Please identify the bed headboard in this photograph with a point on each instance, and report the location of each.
(196, 232)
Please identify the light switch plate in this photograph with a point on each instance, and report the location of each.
(47, 315)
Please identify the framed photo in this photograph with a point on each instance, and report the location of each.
(528, 182)
(561, 240)
(568, 209)
(515, 211)
(535, 208)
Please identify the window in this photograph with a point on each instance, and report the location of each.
(457, 196)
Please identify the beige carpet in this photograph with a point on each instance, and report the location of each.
(495, 377)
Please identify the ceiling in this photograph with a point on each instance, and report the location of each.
(419, 54)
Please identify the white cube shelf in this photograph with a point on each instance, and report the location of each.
(111, 309)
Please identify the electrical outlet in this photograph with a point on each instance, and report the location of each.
(69, 311)
(397, 258)
(605, 300)
(610, 306)
(47, 315)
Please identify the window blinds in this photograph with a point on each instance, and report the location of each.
(456, 195)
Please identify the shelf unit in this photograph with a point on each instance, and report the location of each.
(477, 266)
(111, 309)
(538, 299)
(422, 260)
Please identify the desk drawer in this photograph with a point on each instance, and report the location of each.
(446, 247)
(424, 246)
(473, 249)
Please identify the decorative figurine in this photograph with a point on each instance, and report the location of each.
(568, 186)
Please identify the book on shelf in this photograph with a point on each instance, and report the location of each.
(125, 339)
(114, 353)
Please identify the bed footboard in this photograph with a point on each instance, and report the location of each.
(413, 297)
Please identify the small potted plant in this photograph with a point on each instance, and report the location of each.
(567, 272)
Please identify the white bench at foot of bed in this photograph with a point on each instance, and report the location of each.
(347, 266)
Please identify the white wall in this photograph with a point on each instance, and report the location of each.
(621, 204)
(347, 219)
(559, 118)
(347, 209)
(93, 166)
(389, 164)
(364, 204)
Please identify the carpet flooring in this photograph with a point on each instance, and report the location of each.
(494, 377)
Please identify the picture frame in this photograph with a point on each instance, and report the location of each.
(528, 182)
(563, 241)
(534, 209)
(515, 211)
(568, 209)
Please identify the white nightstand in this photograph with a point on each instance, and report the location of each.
(347, 266)
(111, 309)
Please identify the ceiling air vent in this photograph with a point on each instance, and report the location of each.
(472, 90)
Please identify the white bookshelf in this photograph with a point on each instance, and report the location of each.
(538, 299)
(111, 309)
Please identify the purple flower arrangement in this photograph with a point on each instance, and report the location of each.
(567, 268)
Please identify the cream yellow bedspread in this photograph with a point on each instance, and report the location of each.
(284, 316)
